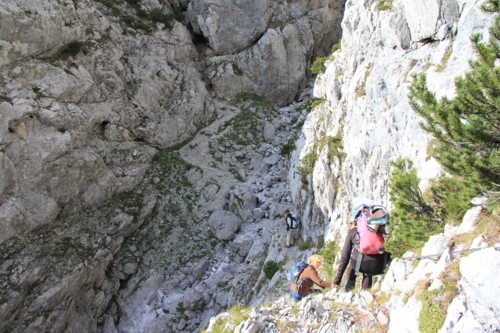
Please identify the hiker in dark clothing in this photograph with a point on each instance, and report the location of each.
(374, 259)
(290, 228)
(349, 251)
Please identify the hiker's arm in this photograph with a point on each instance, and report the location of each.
(344, 258)
(316, 279)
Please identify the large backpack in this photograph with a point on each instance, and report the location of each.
(293, 274)
(372, 222)
(294, 223)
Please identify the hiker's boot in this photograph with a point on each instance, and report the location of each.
(349, 285)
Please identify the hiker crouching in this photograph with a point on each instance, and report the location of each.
(307, 278)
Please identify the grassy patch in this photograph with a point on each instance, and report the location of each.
(487, 226)
(336, 46)
(270, 268)
(169, 164)
(287, 148)
(328, 253)
(308, 244)
(381, 298)
(171, 220)
(284, 325)
(5, 99)
(335, 147)
(243, 129)
(334, 144)
(239, 313)
(318, 65)
(361, 90)
(444, 61)
(307, 164)
(435, 302)
(134, 16)
(72, 49)
(234, 170)
(233, 317)
(384, 5)
(281, 24)
(313, 102)
(433, 313)
(246, 128)
(158, 16)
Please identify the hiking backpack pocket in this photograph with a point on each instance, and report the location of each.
(371, 264)
(293, 275)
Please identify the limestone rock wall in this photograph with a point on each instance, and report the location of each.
(77, 130)
(270, 58)
(126, 93)
(365, 87)
(395, 303)
(90, 93)
(94, 229)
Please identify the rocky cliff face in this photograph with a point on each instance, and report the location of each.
(365, 89)
(399, 301)
(78, 79)
(362, 98)
(98, 219)
(142, 184)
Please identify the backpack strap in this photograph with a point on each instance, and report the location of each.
(299, 281)
(387, 259)
(358, 262)
(360, 255)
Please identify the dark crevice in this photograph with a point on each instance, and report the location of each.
(102, 127)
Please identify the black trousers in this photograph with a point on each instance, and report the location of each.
(366, 282)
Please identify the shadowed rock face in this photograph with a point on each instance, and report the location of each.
(106, 224)
(99, 92)
(270, 58)
(230, 26)
(90, 93)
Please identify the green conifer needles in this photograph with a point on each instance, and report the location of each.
(468, 126)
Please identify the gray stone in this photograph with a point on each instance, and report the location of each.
(242, 244)
(258, 213)
(469, 220)
(193, 300)
(269, 132)
(422, 18)
(130, 268)
(109, 325)
(436, 245)
(224, 224)
(200, 269)
(229, 26)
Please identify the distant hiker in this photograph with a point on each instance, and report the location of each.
(306, 276)
(363, 247)
(291, 225)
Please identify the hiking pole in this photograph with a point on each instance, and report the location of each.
(430, 256)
